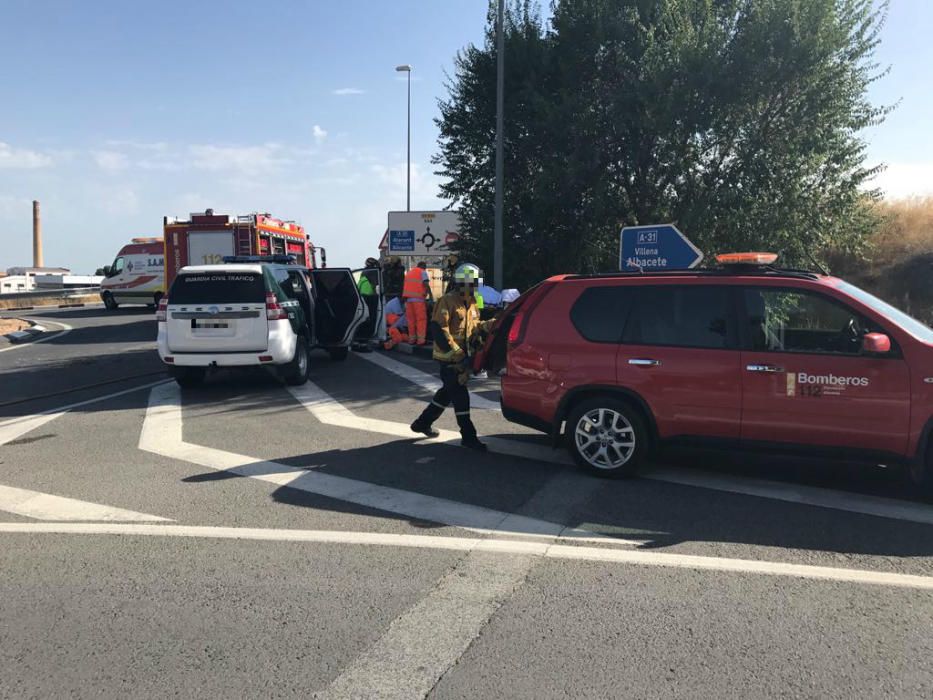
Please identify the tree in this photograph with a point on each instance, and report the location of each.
(737, 119)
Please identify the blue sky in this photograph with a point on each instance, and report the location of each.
(115, 114)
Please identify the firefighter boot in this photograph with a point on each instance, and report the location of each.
(423, 422)
(468, 433)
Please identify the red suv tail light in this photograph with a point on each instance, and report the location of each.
(274, 311)
(517, 329)
(162, 310)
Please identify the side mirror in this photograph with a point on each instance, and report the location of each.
(876, 343)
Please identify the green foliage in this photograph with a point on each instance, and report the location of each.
(739, 120)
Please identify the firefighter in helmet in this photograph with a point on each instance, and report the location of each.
(455, 327)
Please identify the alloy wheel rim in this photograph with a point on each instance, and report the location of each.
(605, 438)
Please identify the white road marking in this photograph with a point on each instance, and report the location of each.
(328, 411)
(66, 329)
(481, 544)
(53, 413)
(11, 430)
(426, 381)
(45, 506)
(162, 434)
(797, 493)
(422, 644)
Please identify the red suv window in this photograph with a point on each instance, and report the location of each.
(690, 316)
(599, 314)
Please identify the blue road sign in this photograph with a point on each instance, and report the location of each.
(401, 241)
(658, 247)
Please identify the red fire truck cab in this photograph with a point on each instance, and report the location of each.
(206, 238)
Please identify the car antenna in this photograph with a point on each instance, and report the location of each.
(819, 267)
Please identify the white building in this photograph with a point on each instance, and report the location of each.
(29, 279)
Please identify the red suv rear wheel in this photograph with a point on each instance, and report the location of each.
(607, 437)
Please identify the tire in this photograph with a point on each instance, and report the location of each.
(339, 354)
(295, 373)
(189, 377)
(919, 472)
(614, 448)
(109, 302)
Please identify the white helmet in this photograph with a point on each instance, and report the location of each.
(468, 273)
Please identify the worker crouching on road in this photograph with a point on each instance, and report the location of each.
(454, 325)
(397, 329)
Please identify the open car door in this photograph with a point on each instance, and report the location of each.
(374, 328)
(338, 307)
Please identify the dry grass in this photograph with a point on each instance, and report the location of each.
(907, 231)
(8, 325)
(47, 301)
(899, 265)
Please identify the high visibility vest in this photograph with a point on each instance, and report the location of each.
(366, 287)
(414, 284)
(479, 300)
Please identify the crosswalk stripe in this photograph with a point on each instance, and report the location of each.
(45, 506)
(423, 379)
(162, 434)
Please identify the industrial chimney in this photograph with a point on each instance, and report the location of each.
(36, 235)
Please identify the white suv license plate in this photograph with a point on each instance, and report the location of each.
(197, 324)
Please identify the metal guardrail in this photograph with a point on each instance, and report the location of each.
(67, 293)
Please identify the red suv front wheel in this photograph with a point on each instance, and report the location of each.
(607, 437)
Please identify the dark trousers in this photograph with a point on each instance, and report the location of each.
(452, 392)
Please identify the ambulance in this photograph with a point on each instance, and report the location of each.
(137, 275)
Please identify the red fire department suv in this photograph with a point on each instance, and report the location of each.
(748, 354)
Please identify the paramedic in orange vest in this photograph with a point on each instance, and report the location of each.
(416, 292)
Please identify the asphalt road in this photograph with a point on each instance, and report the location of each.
(245, 540)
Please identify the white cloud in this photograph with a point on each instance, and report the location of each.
(21, 158)
(424, 184)
(237, 158)
(348, 91)
(159, 146)
(900, 180)
(111, 160)
(319, 134)
(15, 208)
(115, 201)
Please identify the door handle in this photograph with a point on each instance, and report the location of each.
(770, 369)
(644, 362)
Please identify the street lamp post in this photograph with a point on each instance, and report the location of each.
(407, 69)
(500, 82)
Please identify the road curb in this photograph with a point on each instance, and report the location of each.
(26, 334)
(48, 306)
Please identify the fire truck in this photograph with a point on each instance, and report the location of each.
(207, 238)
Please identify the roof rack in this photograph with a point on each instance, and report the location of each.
(751, 270)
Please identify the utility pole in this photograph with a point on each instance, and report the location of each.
(500, 89)
(406, 68)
